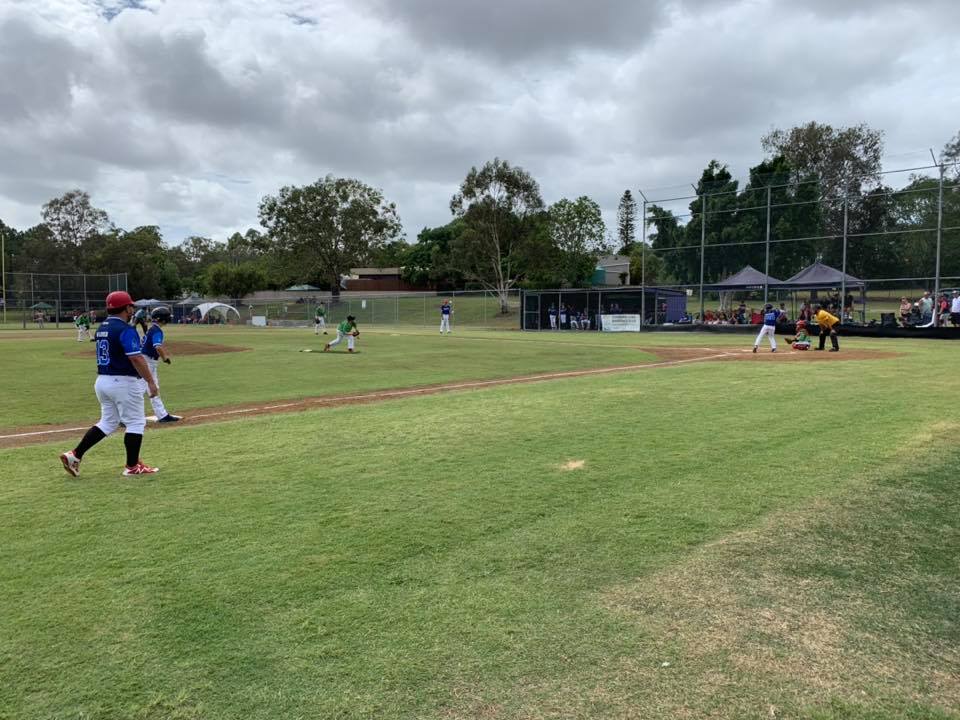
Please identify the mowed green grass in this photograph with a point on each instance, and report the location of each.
(46, 382)
(742, 540)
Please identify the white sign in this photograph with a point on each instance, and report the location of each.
(620, 323)
(258, 320)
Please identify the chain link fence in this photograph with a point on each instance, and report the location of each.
(41, 299)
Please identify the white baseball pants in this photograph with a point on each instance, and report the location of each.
(319, 324)
(341, 336)
(159, 409)
(770, 331)
(121, 401)
(444, 323)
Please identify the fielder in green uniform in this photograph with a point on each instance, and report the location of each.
(83, 327)
(346, 329)
(320, 320)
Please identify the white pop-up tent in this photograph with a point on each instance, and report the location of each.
(219, 308)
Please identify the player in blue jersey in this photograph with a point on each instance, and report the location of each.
(120, 367)
(770, 316)
(154, 352)
(446, 310)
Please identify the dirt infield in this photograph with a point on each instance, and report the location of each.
(176, 348)
(665, 357)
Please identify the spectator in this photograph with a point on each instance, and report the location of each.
(755, 317)
(806, 314)
(574, 320)
(783, 318)
(38, 319)
(943, 310)
(926, 308)
(906, 307)
(848, 307)
(955, 308)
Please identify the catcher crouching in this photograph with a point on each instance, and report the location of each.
(802, 340)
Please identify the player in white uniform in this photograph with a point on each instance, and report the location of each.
(769, 327)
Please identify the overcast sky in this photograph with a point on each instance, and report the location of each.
(184, 113)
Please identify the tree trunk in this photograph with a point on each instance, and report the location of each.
(503, 295)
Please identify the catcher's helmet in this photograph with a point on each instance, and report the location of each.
(161, 314)
(801, 323)
(118, 300)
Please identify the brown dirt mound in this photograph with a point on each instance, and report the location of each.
(176, 348)
(665, 357)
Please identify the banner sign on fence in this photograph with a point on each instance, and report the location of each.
(620, 323)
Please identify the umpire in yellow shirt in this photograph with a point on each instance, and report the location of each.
(827, 323)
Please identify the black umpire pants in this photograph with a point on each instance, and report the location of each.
(833, 338)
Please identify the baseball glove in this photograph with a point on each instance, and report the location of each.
(356, 333)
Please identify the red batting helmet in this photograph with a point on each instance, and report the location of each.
(118, 300)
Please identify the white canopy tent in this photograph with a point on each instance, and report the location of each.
(219, 308)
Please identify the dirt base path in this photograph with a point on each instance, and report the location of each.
(665, 357)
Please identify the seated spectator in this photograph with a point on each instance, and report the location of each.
(806, 314)
(955, 308)
(755, 317)
(783, 318)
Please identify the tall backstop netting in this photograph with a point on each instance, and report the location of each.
(28, 297)
(869, 247)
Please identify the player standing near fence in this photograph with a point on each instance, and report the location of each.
(155, 352)
(346, 329)
(446, 310)
(320, 320)
(770, 316)
(120, 367)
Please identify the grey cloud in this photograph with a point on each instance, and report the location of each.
(175, 76)
(37, 71)
(515, 29)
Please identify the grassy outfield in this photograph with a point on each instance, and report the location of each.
(45, 382)
(741, 540)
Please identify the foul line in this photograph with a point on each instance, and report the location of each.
(388, 394)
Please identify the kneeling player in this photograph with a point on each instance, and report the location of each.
(802, 340)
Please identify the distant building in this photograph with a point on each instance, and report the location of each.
(372, 279)
(612, 270)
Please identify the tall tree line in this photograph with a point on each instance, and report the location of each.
(816, 180)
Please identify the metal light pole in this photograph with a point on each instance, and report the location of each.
(766, 263)
(3, 270)
(703, 244)
(643, 261)
(936, 275)
(843, 268)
